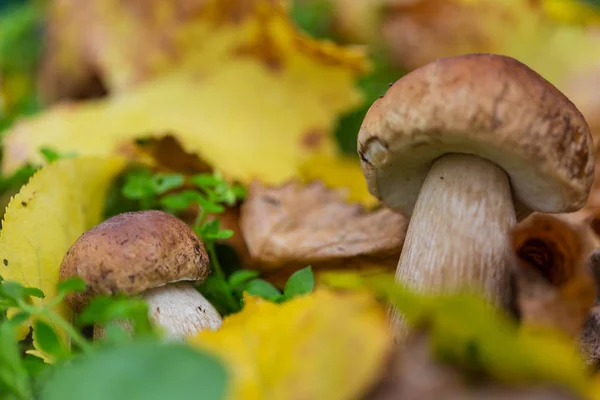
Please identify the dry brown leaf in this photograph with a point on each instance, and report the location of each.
(415, 374)
(296, 224)
(555, 286)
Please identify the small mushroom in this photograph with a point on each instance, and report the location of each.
(147, 253)
(467, 146)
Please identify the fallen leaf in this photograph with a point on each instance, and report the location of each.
(555, 285)
(104, 36)
(224, 101)
(60, 202)
(294, 225)
(415, 374)
(320, 360)
(469, 333)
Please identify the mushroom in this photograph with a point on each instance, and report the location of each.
(147, 253)
(466, 146)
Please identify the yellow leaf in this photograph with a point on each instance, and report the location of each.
(324, 345)
(176, 31)
(60, 202)
(253, 99)
(339, 172)
(466, 331)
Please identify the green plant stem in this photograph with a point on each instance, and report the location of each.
(56, 319)
(209, 244)
(212, 253)
(79, 340)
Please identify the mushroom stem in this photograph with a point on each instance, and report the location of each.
(181, 310)
(457, 237)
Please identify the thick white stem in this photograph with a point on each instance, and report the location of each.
(457, 237)
(180, 310)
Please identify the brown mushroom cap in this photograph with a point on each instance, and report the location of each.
(486, 105)
(133, 252)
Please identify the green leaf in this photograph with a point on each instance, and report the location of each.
(205, 180)
(210, 206)
(141, 370)
(52, 155)
(34, 292)
(48, 340)
(74, 284)
(212, 231)
(138, 184)
(264, 289)
(300, 283)
(239, 192)
(12, 291)
(114, 334)
(19, 37)
(162, 183)
(34, 365)
(18, 178)
(315, 17)
(20, 317)
(216, 290)
(105, 309)
(181, 200)
(241, 277)
(13, 373)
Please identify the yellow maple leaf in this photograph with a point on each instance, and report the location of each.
(60, 202)
(325, 345)
(253, 99)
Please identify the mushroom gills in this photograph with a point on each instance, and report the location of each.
(465, 209)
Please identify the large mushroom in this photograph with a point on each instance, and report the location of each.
(467, 146)
(147, 253)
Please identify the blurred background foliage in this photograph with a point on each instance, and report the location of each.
(22, 40)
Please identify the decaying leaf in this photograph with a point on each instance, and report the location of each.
(467, 332)
(60, 202)
(325, 345)
(294, 225)
(555, 285)
(247, 83)
(415, 374)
